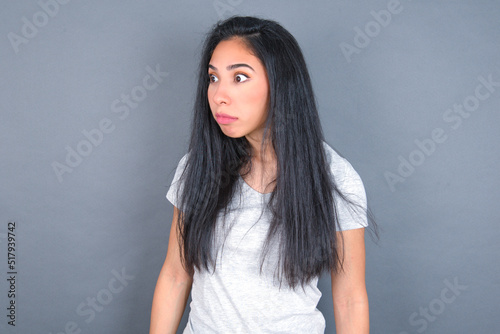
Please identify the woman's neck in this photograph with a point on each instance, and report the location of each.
(260, 174)
(265, 157)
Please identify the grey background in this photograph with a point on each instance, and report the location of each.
(109, 214)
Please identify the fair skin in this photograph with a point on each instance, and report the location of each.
(239, 88)
(350, 299)
(172, 288)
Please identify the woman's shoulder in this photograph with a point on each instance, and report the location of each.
(177, 184)
(337, 163)
(183, 160)
(341, 169)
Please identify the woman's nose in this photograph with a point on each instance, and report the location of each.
(221, 95)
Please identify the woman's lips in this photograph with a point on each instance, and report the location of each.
(224, 118)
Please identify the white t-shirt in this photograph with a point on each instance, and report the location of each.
(236, 298)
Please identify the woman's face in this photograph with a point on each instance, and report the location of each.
(238, 89)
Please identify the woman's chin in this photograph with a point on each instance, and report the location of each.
(231, 134)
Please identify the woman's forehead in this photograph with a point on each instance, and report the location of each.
(231, 52)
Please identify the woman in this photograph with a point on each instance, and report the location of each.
(262, 205)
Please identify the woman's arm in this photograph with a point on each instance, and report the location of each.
(350, 300)
(172, 289)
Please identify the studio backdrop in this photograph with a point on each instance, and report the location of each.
(96, 100)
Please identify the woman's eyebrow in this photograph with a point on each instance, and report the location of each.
(231, 67)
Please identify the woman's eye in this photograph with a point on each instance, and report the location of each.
(240, 78)
(212, 78)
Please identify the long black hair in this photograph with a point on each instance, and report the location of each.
(304, 214)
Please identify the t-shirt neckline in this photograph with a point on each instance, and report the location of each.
(252, 189)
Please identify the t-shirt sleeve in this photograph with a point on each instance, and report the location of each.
(175, 190)
(350, 184)
(351, 215)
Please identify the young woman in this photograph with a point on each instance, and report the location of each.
(262, 205)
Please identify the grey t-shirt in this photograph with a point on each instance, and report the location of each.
(236, 298)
